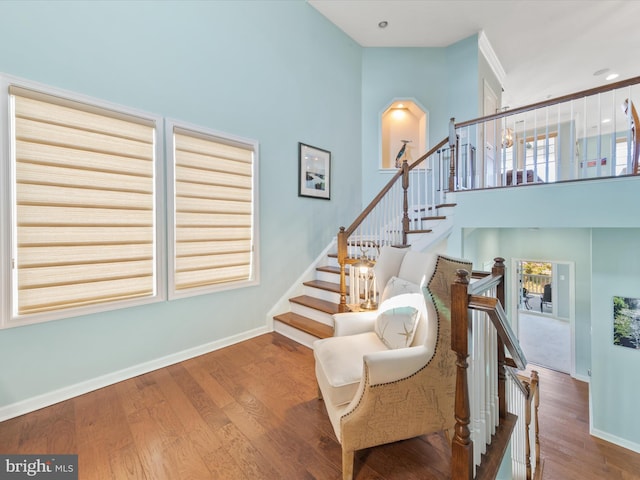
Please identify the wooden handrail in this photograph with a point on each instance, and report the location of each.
(486, 283)
(349, 230)
(547, 103)
(493, 308)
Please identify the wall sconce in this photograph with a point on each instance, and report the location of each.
(367, 278)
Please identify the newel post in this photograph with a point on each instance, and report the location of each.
(461, 446)
(342, 262)
(453, 151)
(405, 201)
(498, 269)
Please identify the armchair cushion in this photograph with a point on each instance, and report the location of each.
(398, 286)
(352, 323)
(396, 327)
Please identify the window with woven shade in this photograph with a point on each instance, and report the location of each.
(212, 213)
(84, 219)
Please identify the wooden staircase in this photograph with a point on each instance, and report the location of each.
(310, 316)
(311, 313)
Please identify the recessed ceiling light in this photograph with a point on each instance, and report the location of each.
(606, 120)
(612, 76)
(383, 24)
(600, 72)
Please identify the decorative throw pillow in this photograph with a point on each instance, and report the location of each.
(398, 286)
(396, 327)
(388, 264)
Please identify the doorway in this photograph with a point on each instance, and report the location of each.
(544, 312)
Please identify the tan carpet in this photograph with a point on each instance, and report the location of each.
(545, 341)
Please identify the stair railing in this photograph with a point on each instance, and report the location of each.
(523, 400)
(414, 191)
(594, 133)
(481, 336)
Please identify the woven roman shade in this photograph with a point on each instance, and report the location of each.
(84, 191)
(213, 211)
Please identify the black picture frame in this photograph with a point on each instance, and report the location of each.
(314, 172)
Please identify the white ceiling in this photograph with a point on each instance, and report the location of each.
(547, 48)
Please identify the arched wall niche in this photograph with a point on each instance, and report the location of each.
(403, 120)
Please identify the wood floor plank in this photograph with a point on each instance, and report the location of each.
(125, 463)
(252, 462)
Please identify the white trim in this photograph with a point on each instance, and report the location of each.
(65, 393)
(621, 442)
(494, 62)
(582, 378)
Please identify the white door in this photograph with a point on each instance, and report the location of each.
(489, 137)
(546, 335)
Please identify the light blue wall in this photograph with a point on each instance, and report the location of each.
(442, 80)
(615, 388)
(594, 224)
(274, 71)
(545, 244)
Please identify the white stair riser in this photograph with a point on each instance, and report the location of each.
(294, 334)
(329, 277)
(322, 294)
(313, 314)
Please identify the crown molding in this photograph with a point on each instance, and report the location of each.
(494, 62)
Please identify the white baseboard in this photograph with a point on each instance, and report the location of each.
(582, 378)
(621, 442)
(65, 393)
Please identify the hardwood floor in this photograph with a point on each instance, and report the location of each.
(250, 411)
(568, 450)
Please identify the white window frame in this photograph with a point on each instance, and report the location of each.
(8, 209)
(199, 131)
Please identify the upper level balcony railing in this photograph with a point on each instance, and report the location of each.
(589, 134)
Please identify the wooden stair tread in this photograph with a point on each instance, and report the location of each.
(305, 324)
(322, 285)
(316, 304)
(437, 217)
(428, 230)
(329, 269)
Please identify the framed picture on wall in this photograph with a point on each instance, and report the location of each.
(314, 172)
(626, 322)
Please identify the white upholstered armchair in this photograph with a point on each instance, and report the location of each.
(377, 388)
